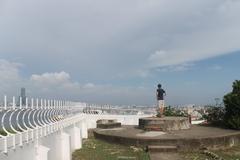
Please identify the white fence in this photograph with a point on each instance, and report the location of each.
(40, 129)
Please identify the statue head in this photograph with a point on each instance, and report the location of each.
(159, 86)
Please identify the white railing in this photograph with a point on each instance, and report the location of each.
(30, 119)
(27, 120)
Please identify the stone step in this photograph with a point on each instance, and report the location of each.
(153, 148)
(165, 156)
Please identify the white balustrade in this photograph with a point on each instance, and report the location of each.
(28, 121)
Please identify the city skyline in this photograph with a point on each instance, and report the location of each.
(117, 52)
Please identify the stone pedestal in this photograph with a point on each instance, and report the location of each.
(164, 123)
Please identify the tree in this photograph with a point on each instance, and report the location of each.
(232, 106)
(215, 115)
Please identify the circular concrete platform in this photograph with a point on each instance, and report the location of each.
(164, 123)
(195, 138)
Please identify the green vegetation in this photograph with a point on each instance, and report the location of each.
(194, 156)
(232, 106)
(3, 133)
(170, 111)
(100, 150)
(215, 115)
(224, 154)
(228, 116)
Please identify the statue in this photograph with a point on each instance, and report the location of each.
(160, 93)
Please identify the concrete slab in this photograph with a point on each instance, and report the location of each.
(195, 138)
(165, 156)
(111, 129)
(150, 134)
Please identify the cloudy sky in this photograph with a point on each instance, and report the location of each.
(118, 51)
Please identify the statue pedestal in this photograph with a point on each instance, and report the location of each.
(164, 123)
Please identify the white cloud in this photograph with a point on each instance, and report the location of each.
(51, 78)
(60, 84)
(158, 59)
(10, 78)
(89, 85)
(109, 38)
(176, 68)
(206, 33)
(9, 70)
(100, 41)
(55, 85)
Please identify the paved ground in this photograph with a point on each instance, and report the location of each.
(150, 134)
(165, 156)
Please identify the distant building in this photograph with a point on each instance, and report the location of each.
(23, 95)
(195, 115)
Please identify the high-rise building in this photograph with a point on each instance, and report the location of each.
(23, 95)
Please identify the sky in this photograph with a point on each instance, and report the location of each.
(116, 52)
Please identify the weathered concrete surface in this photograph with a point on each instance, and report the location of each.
(154, 149)
(165, 156)
(164, 123)
(195, 138)
(150, 134)
(106, 123)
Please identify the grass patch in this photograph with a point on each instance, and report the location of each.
(195, 156)
(232, 153)
(94, 149)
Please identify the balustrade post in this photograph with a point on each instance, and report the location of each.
(41, 103)
(14, 141)
(45, 104)
(32, 103)
(13, 103)
(5, 102)
(5, 150)
(27, 136)
(37, 103)
(20, 139)
(41, 152)
(84, 128)
(48, 104)
(45, 130)
(41, 130)
(51, 102)
(76, 138)
(54, 104)
(32, 134)
(20, 102)
(26, 103)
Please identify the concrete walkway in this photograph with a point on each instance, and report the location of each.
(165, 156)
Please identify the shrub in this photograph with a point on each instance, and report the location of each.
(232, 106)
(215, 115)
(170, 111)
